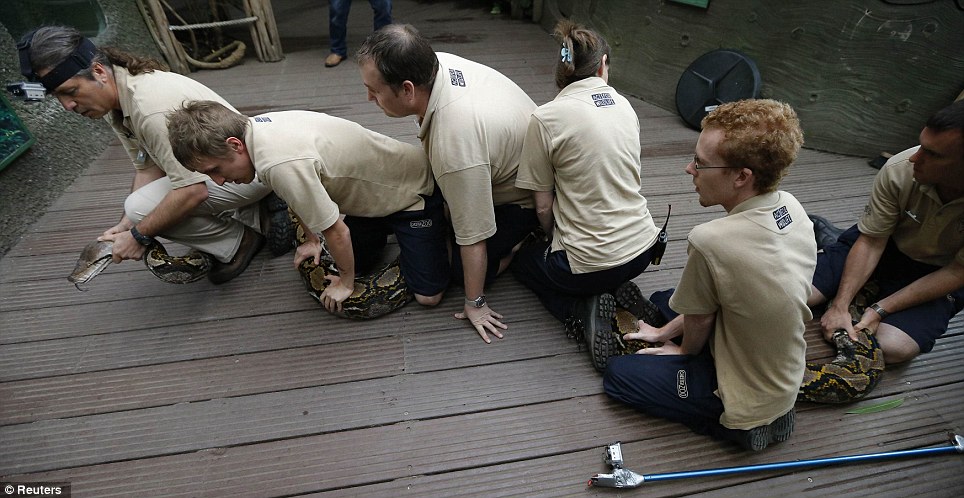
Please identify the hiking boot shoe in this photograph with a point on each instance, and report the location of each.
(781, 428)
(276, 225)
(824, 231)
(251, 243)
(598, 313)
(629, 297)
(756, 439)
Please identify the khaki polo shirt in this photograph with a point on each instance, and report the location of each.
(752, 268)
(585, 146)
(322, 166)
(141, 124)
(923, 227)
(472, 133)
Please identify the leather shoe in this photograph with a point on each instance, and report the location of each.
(824, 231)
(276, 225)
(251, 243)
(333, 60)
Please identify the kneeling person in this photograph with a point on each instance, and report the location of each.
(325, 167)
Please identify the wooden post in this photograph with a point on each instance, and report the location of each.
(264, 31)
(168, 44)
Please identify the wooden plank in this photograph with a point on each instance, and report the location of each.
(428, 447)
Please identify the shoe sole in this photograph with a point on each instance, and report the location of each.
(280, 233)
(782, 427)
(603, 344)
(629, 297)
(778, 431)
(757, 438)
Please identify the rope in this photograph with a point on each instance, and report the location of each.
(217, 24)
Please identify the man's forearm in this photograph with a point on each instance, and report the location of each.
(338, 240)
(474, 264)
(696, 332)
(927, 288)
(173, 208)
(544, 201)
(860, 264)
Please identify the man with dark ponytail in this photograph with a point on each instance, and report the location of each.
(581, 162)
(134, 95)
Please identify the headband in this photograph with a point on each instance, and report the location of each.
(77, 61)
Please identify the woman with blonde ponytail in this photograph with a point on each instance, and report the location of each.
(581, 160)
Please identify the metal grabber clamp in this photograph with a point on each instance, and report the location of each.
(625, 478)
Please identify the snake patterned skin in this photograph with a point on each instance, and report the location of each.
(854, 372)
(858, 366)
(96, 257)
(851, 375)
(376, 294)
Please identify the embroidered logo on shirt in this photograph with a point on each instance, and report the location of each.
(782, 217)
(420, 223)
(603, 99)
(456, 76)
(262, 120)
(681, 389)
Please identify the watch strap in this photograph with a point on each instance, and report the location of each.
(477, 302)
(144, 240)
(879, 310)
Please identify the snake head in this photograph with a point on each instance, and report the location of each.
(93, 260)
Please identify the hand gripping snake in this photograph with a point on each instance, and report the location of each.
(851, 375)
(96, 257)
(376, 293)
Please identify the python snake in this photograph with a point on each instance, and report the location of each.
(376, 293)
(853, 373)
(96, 257)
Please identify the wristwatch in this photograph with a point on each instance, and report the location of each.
(144, 240)
(477, 302)
(880, 311)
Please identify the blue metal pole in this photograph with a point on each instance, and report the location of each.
(958, 447)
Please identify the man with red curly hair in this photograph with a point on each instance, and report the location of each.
(742, 299)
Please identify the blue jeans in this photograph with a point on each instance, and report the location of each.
(338, 21)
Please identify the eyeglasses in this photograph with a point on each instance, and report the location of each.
(697, 165)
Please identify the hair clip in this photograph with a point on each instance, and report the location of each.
(566, 54)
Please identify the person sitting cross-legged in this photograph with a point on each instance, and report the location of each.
(742, 297)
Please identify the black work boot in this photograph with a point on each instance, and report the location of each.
(592, 319)
(630, 298)
(276, 225)
(824, 231)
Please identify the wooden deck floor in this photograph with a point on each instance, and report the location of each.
(140, 388)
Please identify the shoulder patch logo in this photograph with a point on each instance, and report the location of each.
(456, 77)
(681, 390)
(262, 120)
(782, 217)
(603, 99)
